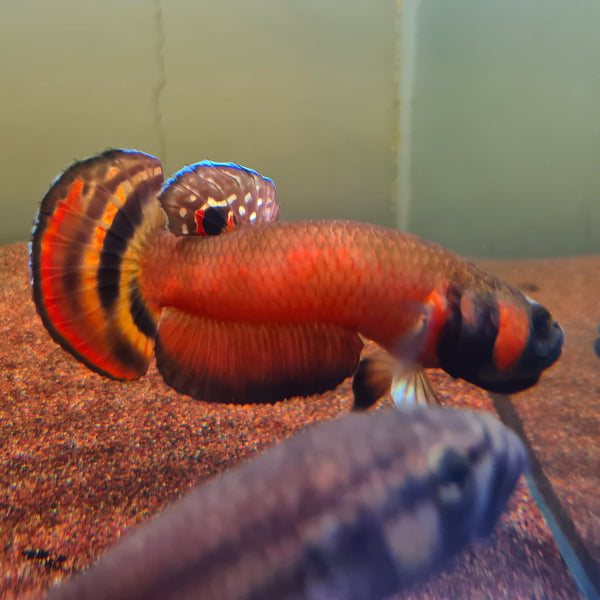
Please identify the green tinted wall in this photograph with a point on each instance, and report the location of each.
(505, 149)
(497, 103)
(302, 91)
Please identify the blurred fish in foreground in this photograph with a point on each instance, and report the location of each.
(353, 509)
(239, 307)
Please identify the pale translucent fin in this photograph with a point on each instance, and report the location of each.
(410, 345)
(411, 386)
(379, 373)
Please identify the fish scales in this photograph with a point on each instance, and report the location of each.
(354, 509)
(353, 274)
(238, 307)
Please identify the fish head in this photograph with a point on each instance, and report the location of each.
(498, 339)
(475, 474)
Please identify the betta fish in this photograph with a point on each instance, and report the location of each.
(357, 508)
(240, 307)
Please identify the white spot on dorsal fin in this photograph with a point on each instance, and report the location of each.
(182, 212)
(212, 202)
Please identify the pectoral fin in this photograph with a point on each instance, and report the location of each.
(379, 375)
(404, 376)
(412, 386)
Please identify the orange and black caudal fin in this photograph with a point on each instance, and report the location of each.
(84, 257)
(210, 198)
(240, 362)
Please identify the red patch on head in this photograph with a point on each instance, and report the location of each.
(199, 221)
(513, 333)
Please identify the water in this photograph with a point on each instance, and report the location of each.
(490, 147)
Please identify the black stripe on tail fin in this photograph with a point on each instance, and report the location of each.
(84, 256)
(210, 198)
(241, 362)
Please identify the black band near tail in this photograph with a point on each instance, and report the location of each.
(122, 229)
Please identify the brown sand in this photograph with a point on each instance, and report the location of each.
(84, 458)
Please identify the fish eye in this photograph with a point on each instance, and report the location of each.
(540, 320)
(452, 470)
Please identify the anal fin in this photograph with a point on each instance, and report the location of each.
(240, 362)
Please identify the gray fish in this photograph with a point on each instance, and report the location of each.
(353, 509)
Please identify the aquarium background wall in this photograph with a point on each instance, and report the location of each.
(473, 124)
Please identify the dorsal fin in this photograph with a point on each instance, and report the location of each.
(209, 198)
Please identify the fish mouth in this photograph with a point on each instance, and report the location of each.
(546, 338)
(557, 349)
(542, 352)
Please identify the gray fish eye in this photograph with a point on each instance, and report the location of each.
(453, 467)
(452, 471)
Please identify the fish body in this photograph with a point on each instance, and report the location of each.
(357, 508)
(240, 307)
(358, 276)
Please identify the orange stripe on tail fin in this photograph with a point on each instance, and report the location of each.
(242, 362)
(87, 239)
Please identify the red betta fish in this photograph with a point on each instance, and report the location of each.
(239, 307)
